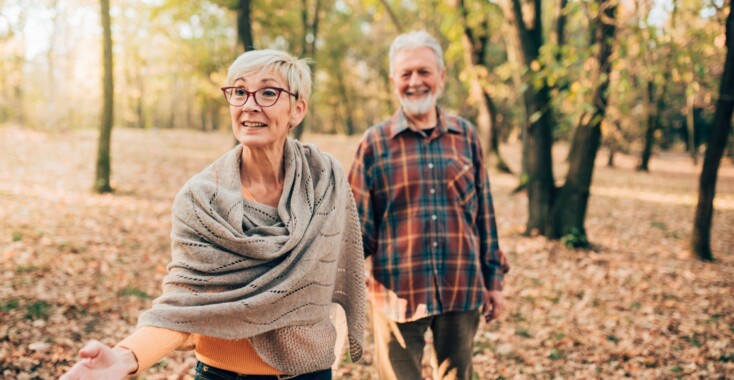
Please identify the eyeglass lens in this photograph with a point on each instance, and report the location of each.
(264, 97)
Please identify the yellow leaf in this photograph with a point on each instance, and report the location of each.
(535, 65)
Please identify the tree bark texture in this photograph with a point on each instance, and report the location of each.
(244, 26)
(102, 175)
(308, 50)
(701, 237)
(560, 26)
(650, 127)
(345, 104)
(540, 184)
(569, 209)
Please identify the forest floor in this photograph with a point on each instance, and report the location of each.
(77, 266)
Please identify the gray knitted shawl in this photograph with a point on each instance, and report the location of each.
(241, 269)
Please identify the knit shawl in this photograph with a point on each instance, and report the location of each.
(242, 269)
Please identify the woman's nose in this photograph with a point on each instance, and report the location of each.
(250, 104)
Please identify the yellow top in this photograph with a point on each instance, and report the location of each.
(150, 344)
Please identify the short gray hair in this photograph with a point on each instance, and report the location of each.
(295, 71)
(414, 40)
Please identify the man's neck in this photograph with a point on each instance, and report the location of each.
(423, 121)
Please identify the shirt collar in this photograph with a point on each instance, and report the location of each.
(400, 123)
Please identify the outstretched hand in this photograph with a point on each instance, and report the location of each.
(99, 361)
(493, 303)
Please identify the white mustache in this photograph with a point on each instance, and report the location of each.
(418, 106)
(411, 91)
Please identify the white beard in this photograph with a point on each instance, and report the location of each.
(420, 106)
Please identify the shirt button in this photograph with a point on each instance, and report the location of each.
(430, 165)
(466, 167)
(433, 191)
(434, 217)
(435, 244)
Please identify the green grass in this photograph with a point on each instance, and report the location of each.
(9, 305)
(37, 310)
(658, 225)
(133, 292)
(523, 333)
(555, 355)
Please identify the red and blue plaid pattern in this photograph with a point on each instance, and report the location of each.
(427, 218)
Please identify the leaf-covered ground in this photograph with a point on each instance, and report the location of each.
(77, 266)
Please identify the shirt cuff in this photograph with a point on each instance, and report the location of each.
(493, 281)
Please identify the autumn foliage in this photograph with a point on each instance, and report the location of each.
(78, 265)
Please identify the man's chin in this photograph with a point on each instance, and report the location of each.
(418, 109)
(419, 106)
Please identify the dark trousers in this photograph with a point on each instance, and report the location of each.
(399, 346)
(207, 372)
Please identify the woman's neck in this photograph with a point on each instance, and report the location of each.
(262, 167)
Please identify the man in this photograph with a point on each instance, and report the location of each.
(428, 222)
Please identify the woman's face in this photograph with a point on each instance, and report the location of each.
(261, 127)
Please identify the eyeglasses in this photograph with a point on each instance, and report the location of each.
(264, 97)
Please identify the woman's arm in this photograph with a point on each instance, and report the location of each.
(135, 353)
(99, 361)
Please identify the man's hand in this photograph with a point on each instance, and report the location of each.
(493, 303)
(102, 362)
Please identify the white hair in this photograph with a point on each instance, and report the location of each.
(414, 40)
(295, 71)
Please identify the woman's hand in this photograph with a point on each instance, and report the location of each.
(99, 361)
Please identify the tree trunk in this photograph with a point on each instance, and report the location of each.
(691, 126)
(102, 176)
(569, 210)
(244, 26)
(214, 117)
(540, 183)
(612, 152)
(650, 127)
(345, 104)
(173, 103)
(560, 34)
(393, 16)
(668, 65)
(513, 53)
(494, 135)
(474, 48)
(701, 236)
(308, 50)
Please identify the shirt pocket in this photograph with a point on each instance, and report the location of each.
(461, 183)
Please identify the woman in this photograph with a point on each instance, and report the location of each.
(263, 240)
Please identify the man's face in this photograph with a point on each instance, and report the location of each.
(417, 80)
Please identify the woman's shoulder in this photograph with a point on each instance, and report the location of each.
(222, 173)
(318, 158)
(314, 154)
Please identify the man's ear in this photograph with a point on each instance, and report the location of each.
(442, 75)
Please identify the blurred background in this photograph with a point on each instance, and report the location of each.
(170, 58)
(605, 281)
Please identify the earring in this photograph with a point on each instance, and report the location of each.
(292, 123)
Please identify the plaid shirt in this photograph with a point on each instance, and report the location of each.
(427, 218)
